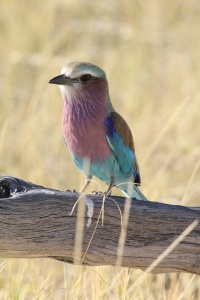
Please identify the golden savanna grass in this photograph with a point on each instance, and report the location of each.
(150, 51)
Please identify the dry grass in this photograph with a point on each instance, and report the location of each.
(150, 51)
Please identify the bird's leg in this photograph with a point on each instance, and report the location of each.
(109, 190)
(87, 182)
(111, 185)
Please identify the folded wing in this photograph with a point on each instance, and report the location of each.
(120, 140)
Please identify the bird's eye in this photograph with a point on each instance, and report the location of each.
(86, 77)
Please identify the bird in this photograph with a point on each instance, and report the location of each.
(95, 132)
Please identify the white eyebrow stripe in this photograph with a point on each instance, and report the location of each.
(69, 72)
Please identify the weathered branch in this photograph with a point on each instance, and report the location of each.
(36, 222)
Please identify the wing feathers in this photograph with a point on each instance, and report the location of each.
(116, 124)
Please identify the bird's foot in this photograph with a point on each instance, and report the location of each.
(71, 191)
(98, 193)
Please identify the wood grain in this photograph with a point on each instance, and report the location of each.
(36, 222)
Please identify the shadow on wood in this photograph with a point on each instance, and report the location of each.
(36, 222)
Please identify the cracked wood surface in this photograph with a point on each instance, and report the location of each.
(36, 222)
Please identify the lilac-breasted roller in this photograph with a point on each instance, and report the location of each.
(94, 131)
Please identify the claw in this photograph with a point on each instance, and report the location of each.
(98, 193)
(71, 191)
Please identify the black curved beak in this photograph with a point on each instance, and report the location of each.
(61, 80)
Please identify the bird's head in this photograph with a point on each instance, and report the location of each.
(81, 81)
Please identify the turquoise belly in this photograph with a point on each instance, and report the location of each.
(103, 170)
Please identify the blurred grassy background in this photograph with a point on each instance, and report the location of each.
(150, 51)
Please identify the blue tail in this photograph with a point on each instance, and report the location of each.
(132, 191)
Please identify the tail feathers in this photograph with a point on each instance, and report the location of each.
(134, 192)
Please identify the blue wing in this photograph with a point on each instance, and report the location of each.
(120, 140)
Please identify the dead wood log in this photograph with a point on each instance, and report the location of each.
(36, 222)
